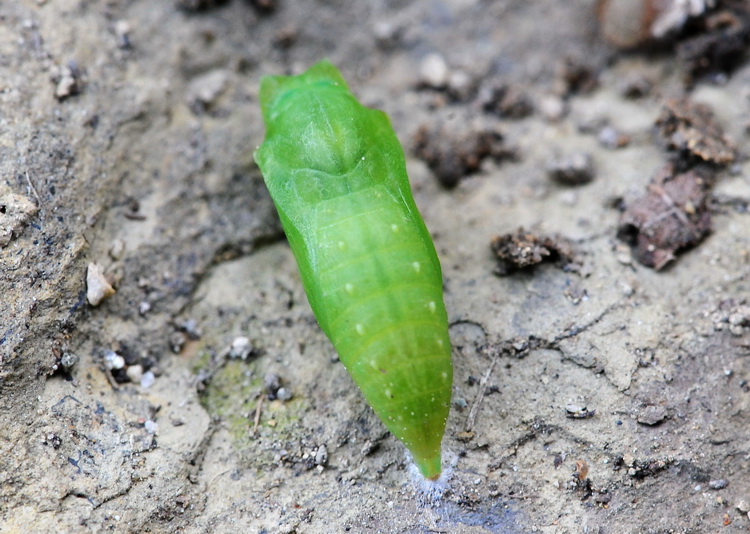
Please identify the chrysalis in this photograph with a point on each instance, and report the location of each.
(336, 172)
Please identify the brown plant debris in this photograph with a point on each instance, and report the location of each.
(506, 101)
(690, 129)
(524, 249)
(451, 155)
(720, 42)
(671, 216)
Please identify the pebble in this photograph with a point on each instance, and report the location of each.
(190, 327)
(176, 341)
(117, 249)
(717, 484)
(98, 287)
(737, 319)
(610, 138)
(569, 198)
(68, 360)
(460, 403)
(652, 415)
(272, 381)
(434, 71)
(552, 108)
(135, 373)
(386, 34)
(122, 33)
(625, 23)
(113, 361)
(205, 89)
(148, 379)
(283, 394)
(241, 348)
(321, 455)
(67, 84)
(151, 427)
(574, 169)
(460, 84)
(627, 290)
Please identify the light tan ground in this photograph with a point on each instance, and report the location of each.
(80, 454)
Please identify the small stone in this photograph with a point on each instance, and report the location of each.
(460, 403)
(66, 86)
(610, 138)
(68, 360)
(574, 411)
(204, 90)
(135, 373)
(241, 348)
(272, 382)
(116, 249)
(434, 71)
(627, 290)
(148, 379)
(151, 427)
(552, 108)
(460, 85)
(636, 86)
(98, 287)
(144, 307)
(122, 33)
(283, 394)
(717, 484)
(569, 198)
(386, 34)
(652, 415)
(623, 254)
(736, 330)
(321, 455)
(743, 506)
(190, 327)
(176, 341)
(113, 361)
(575, 169)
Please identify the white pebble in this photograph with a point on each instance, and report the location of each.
(434, 70)
(148, 379)
(135, 373)
(98, 287)
(151, 427)
(112, 360)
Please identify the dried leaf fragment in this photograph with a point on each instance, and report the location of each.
(690, 128)
(524, 249)
(671, 216)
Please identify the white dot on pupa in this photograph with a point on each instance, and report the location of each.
(360, 329)
(431, 306)
(349, 288)
(341, 245)
(416, 266)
